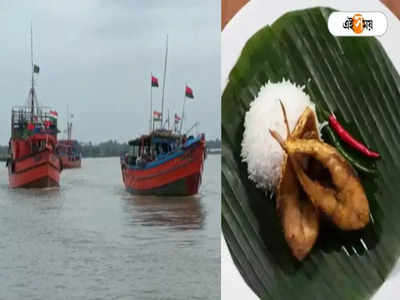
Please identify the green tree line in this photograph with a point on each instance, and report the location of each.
(103, 149)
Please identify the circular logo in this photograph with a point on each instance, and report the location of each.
(358, 23)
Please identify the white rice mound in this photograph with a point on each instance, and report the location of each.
(260, 150)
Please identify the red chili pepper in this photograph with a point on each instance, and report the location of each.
(347, 138)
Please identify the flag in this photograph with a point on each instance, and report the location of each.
(154, 81)
(36, 69)
(156, 116)
(31, 127)
(53, 113)
(189, 92)
(177, 118)
(53, 116)
(47, 124)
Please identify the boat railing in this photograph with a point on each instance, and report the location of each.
(25, 121)
(26, 113)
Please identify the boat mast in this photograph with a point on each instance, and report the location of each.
(183, 110)
(32, 87)
(151, 105)
(70, 131)
(69, 125)
(165, 73)
(193, 126)
(168, 119)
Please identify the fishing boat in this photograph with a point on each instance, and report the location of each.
(69, 154)
(69, 150)
(33, 161)
(164, 162)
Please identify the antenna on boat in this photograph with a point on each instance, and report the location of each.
(32, 101)
(191, 128)
(70, 131)
(32, 87)
(165, 73)
(168, 119)
(183, 110)
(151, 105)
(68, 128)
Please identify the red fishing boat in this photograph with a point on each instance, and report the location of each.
(164, 164)
(33, 161)
(69, 154)
(68, 149)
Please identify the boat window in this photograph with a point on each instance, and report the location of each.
(164, 148)
(134, 150)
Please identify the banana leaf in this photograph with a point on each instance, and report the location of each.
(354, 78)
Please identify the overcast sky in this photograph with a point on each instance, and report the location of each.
(97, 57)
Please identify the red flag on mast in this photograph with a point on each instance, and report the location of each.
(177, 118)
(154, 81)
(31, 127)
(47, 123)
(189, 92)
(156, 115)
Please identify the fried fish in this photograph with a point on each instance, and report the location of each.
(299, 218)
(343, 199)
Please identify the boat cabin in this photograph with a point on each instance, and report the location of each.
(154, 146)
(32, 131)
(25, 122)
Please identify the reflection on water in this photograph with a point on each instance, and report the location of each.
(181, 213)
(90, 239)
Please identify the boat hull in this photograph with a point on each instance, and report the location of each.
(178, 176)
(183, 187)
(40, 170)
(68, 163)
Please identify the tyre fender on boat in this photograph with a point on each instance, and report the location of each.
(61, 163)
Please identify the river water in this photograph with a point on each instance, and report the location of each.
(90, 239)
